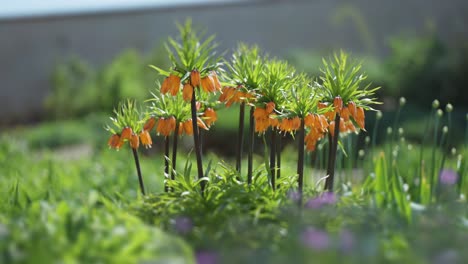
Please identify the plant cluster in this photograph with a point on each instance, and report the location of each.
(281, 101)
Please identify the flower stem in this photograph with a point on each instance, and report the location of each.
(251, 145)
(300, 160)
(421, 155)
(278, 157)
(174, 151)
(332, 155)
(196, 139)
(240, 137)
(137, 164)
(166, 162)
(433, 158)
(272, 158)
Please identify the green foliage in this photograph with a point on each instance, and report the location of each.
(343, 78)
(246, 67)
(79, 89)
(190, 53)
(127, 114)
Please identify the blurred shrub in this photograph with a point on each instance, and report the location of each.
(419, 68)
(424, 68)
(78, 89)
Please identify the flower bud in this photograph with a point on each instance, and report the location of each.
(449, 108)
(440, 113)
(445, 130)
(389, 130)
(402, 101)
(435, 104)
(379, 115)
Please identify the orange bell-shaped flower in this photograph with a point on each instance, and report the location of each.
(188, 127)
(126, 134)
(134, 141)
(201, 124)
(207, 84)
(187, 92)
(195, 78)
(210, 116)
(146, 139)
(171, 84)
(149, 124)
(352, 109)
(270, 107)
(216, 82)
(114, 142)
(360, 117)
(338, 104)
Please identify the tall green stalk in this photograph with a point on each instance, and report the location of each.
(174, 151)
(421, 153)
(278, 156)
(196, 139)
(140, 177)
(251, 145)
(240, 137)
(300, 160)
(273, 158)
(166, 162)
(433, 158)
(331, 163)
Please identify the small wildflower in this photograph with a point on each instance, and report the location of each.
(183, 225)
(316, 239)
(448, 177)
(206, 257)
(326, 198)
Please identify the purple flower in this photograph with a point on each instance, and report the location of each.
(315, 239)
(325, 198)
(183, 225)
(294, 196)
(346, 242)
(206, 257)
(448, 177)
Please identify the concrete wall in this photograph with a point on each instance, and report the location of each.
(29, 48)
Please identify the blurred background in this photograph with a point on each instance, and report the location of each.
(65, 64)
